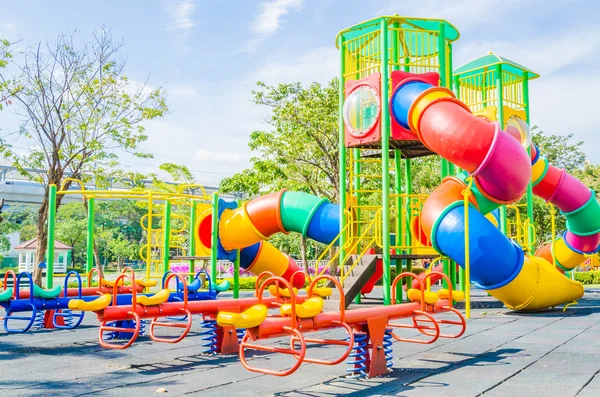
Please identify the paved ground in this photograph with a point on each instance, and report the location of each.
(502, 354)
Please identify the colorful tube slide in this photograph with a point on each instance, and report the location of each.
(501, 169)
(247, 227)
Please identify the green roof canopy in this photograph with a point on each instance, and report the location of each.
(404, 22)
(491, 59)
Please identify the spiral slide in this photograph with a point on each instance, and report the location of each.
(247, 227)
(501, 170)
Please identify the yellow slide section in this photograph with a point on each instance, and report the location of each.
(538, 286)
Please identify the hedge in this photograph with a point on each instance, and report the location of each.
(587, 278)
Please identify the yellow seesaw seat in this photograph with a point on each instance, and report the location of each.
(414, 295)
(160, 297)
(143, 283)
(97, 304)
(307, 309)
(323, 292)
(458, 296)
(285, 292)
(249, 318)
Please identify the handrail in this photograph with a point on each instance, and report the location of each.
(64, 182)
(276, 280)
(337, 284)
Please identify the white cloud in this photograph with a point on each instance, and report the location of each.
(268, 20)
(319, 65)
(180, 14)
(461, 13)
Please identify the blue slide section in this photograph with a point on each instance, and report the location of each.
(495, 260)
(324, 226)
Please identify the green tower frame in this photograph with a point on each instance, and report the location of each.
(494, 86)
(385, 44)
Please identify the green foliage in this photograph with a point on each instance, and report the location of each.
(587, 278)
(559, 150)
(300, 151)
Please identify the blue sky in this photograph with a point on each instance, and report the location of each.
(209, 54)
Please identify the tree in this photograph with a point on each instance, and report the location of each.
(71, 228)
(300, 151)
(121, 248)
(559, 150)
(79, 111)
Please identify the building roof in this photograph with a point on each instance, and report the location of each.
(32, 244)
(491, 59)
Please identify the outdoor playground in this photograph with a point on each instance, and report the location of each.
(497, 312)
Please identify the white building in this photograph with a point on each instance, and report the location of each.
(26, 252)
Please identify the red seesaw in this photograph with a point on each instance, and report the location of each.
(156, 307)
(298, 318)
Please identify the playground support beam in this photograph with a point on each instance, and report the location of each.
(51, 230)
(500, 96)
(192, 250)
(342, 150)
(385, 163)
(530, 239)
(214, 237)
(89, 262)
(166, 237)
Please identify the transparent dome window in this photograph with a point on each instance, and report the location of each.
(520, 130)
(361, 110)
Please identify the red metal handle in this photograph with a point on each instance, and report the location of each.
(419, 283)
(187, 326)
(5, 280)
(184, 286)
(298, 273)
(135, 332)
(446, 278)
(299, 355)
(349, 343)
(131, 278)
(416, 324)
(337, 284)
(276, 280)
(90, 278)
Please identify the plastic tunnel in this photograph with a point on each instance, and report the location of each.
(501, 170)
(247, 227)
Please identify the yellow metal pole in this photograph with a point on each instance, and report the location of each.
(466, 193)
(149, 237)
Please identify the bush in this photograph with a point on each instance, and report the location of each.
(588, 278)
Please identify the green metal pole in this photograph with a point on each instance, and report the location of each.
(214, 237)
(192, 242)
(530, 239)
(357, 170)
(166, 237)
(408, 188)
(342, 150)
(500, 96)
(399, 218)
(51, 228)
(461, 271)
(385, 163)
(89, 260)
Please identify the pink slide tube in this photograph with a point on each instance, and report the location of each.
(570, 194)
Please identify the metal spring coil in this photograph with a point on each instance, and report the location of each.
(143, 327)
(387, 348)
(38, 323)
(240, 334)
(209, 336)
(358, 358)
(67, 316)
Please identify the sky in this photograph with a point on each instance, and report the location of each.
(208, 56)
